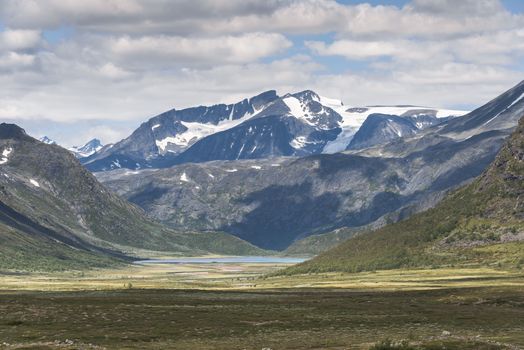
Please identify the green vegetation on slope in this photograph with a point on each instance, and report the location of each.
(482, 223)
(21, 252)
(53, 212)
(316, 244)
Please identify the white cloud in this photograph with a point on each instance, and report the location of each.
(169, 50)
(127, 60)
(436, 18)
(14, 61)
(111, 71)
(106, 134)
(439, 86)
(19, 39)
(430, 19)
(501, 47)
(363, 50)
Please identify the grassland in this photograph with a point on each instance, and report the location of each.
(225, 306)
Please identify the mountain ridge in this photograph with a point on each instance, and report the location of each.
(295, 124)
(279, 201)
(48, 198)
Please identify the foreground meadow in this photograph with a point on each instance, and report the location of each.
(221, 306)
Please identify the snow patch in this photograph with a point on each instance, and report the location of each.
(296, 109)
(211, 176)
(155, 126)
(231, 170)
(5, 155)
(34, 182)
(329, 102)
(505, 109)
(299, 142)
(341, 142)
(354, 117)
(184, 177)
(443, 113)
(257, 167)
(197, 131)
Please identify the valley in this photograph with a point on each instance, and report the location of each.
(418, 249)
(262, 175)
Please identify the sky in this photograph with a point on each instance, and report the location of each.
(74, 70)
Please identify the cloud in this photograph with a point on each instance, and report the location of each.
(166, 50)
(456, 8)
(118, 62)
(15, 61)
(422, 18)
(19, 39)
(363, 50)
(502, 47)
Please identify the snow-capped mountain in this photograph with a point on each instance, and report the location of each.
(316, 194)
(263, 126)
(354, 118)
(381, 128)
(47, 140)
(88, 149)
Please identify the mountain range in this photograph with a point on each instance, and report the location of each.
(296, 173)
(275, 202)
(86, 150)
(260, 127)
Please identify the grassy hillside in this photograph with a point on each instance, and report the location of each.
(482, 223)
(55, 214)
(22, 252)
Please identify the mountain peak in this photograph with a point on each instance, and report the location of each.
(88, 149)
(47, 140)
(11, 131)
(304, 95)
(93, 143)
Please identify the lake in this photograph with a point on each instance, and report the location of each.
(225, 260)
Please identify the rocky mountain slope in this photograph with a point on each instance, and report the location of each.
(52, 203)
(481, 223)
(381, 128)
(264, 126)
(274, 203)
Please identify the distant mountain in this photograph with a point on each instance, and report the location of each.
(157, 142)
(47, 140)
(276, 202)
(263, 126)
(482, 223)
(380, 129)
(88, 149)
(54, 214)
